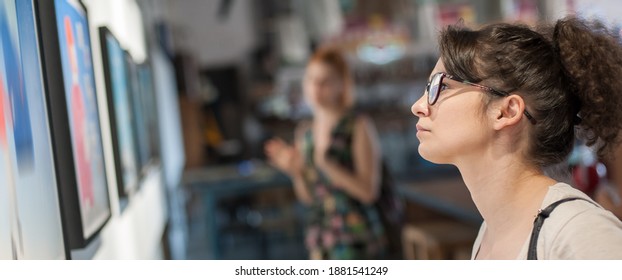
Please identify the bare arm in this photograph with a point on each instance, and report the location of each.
(289, 159)
(364, 183)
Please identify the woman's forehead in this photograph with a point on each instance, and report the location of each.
(439, 67)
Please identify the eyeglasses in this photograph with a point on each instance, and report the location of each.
(433, 89)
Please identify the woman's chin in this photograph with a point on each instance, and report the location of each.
(431, 156)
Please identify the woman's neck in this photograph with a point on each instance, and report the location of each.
(327, 118)
(506, 192)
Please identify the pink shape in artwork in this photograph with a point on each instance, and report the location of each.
(85, 180)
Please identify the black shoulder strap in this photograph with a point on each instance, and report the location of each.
(537, 225)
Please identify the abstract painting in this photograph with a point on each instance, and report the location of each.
(76, 132)
(30, 217)
(121, 113)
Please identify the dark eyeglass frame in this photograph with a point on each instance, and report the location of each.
(433, 90)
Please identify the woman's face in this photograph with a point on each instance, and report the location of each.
(322, 86)
(455, 125)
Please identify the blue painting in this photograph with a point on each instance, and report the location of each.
(75, 48)
(123, 113)
(30, 219)
(141, 131)
(150, 108)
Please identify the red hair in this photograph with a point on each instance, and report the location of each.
(337, 61)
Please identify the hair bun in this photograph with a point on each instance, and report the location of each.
(591, 59)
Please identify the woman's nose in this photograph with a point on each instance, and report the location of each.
(420, 107)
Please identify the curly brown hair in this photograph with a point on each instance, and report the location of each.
(569, 73)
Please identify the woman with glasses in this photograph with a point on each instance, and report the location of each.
(335, 165)
(504, 102)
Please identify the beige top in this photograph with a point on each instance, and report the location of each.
(575, 230)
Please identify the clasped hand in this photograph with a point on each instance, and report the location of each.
(286, 158)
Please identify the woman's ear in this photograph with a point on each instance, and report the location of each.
(508, 111)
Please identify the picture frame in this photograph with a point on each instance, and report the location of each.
(140, 124)
(76, 132)
(121, 114)
(30, 215)
(150, 107)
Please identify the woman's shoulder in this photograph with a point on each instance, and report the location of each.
(580, 229)
(571, 211)
(561, 191)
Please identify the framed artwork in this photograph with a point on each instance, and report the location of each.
(150, 108)
(121, 114)
(140, 125)
(30, 216)
(76, 132)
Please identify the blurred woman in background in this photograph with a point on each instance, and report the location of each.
(335, 165)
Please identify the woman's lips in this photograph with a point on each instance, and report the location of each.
(421, 128)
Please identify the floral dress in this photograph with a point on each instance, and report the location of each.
(339, 226)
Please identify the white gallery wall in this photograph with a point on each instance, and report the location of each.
(136, 232)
